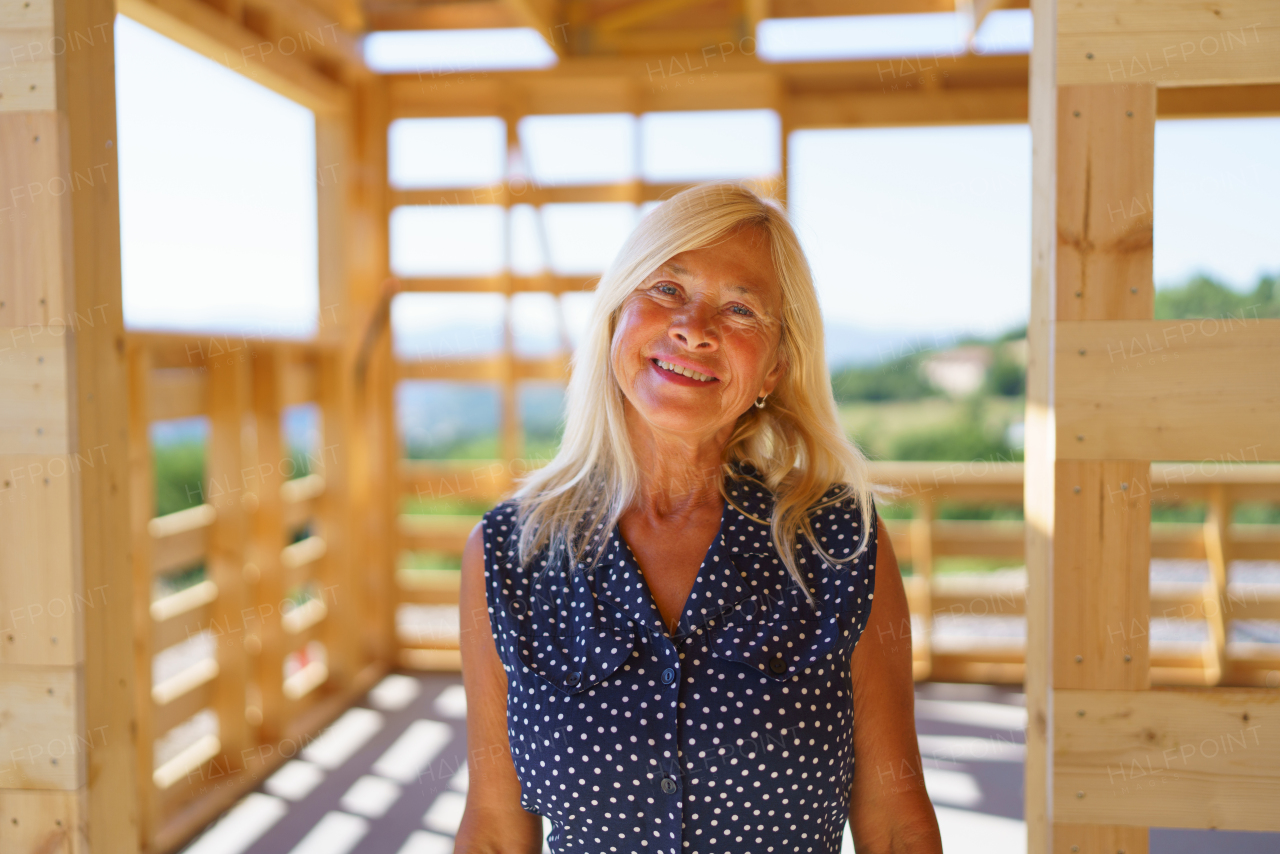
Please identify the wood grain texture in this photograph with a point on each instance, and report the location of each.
(99, 396)
(36, 182)
(1099, 839)
(33, 385)
(1169, 389)
(1168, 758)
(1101, 599)
(1168, 42)
(1106, 149)
(28, 46)
(44, 822)
(41, 742)
(267, 532)
(228, 404)
(42, 603)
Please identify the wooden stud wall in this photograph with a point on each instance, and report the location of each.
(1092, 429)
(247, 602)
(66, 654)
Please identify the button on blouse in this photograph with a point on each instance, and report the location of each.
(732, 734)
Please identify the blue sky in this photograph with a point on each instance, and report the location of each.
(923, 230)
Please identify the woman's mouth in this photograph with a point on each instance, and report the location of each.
(684, 372)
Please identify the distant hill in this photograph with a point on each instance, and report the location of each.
(1203, 297)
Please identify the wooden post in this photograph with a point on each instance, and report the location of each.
(1217, 534)
(268, 540)
(225, 490)
(66, 640)
(374, 479)
(143, 500)
(338, 581)
(1088, 521)
(922, 568)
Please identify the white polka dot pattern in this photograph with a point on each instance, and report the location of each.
(733, 734)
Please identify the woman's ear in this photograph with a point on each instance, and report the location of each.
(774, 376)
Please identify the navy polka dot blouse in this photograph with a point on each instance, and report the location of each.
(734, 734)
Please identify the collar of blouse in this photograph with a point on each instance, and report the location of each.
(730, 571)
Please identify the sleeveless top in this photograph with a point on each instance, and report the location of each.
(733, 734)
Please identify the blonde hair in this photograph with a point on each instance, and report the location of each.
(795, 443)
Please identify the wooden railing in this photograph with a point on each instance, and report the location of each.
(921, 540)
(237, 668)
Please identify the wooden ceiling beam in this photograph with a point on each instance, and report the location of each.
(209, 32)
(453, 15)
(640, 12)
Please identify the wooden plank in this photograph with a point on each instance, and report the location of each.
(436, 533)
(45, 821)
(1168, 758)
(42, 603)
(267, 530)
(227, 545)
(32, 305)
(299, 383)
(207, 31)
(1217, 548)
(488, 369)
(640, 83)
(97, 396)
(500, 284)
(41, 739)
(33, 384)
(178, 616)
(1173, 390)
(479, 480)
(905, 103)
(429, 587)
(339, 574)
(28, 79)
(997, 538)
(1169, 43)
(180, 550)
(920, 534)
(142, 503)
(1106, 136)
(1100, 838)
(177, 393)
(1218, 102)
(165, 716)
(1100, 579)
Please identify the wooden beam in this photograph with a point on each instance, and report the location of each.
(1176, 390)
(1168, 758)
(661, 81)
(209, 32)
(1218, 102)
(450, 15)
(1168, 43)
(639, 12)
(832, 8)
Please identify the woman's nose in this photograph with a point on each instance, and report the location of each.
(694, 327)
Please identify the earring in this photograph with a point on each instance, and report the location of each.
(760, 401)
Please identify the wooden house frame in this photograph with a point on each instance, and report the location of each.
(1108, 756)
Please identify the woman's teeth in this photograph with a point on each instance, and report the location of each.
(676, 369)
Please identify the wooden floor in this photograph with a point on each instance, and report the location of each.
(389, 777)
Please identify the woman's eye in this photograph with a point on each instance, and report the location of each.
(669, 290)
(742, 311)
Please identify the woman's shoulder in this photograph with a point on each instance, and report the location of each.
(500, 528)
(838, 520)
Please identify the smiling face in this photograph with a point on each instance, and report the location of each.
(698, 341)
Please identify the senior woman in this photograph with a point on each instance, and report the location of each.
(662, 652)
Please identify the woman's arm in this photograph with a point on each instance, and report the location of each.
(494, 822)
(889, 812)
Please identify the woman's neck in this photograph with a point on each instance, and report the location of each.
(678, 474)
